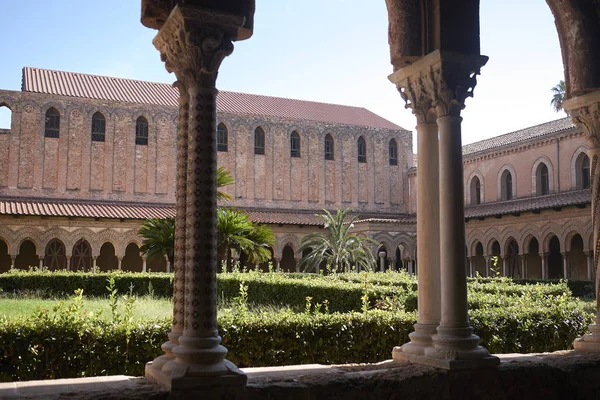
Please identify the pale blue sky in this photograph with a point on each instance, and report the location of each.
(324, 50)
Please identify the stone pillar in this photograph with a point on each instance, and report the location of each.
(590, 265)
(94, 264)
(119, 262)
(277, 262)
(41, 263)
(565, 257)
(544, 257)
(143, 264)
(488, 266)
(585, 112)
(471, 267)
(411, 267)
(410, 83)
(524, 265)
(193, 42)
(381, 261)
(68, 261)
(162, 365)
(454, 345)
(504, 265)
(13, 259)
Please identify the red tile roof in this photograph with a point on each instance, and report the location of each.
(133, 91)
(571, 198)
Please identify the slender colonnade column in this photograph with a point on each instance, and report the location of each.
(410, 82)
(585, 112)
(193, 42)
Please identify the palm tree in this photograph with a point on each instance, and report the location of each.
(224, 178)
(558, 96)
(159, 238)
(235, 230)
(338, 248)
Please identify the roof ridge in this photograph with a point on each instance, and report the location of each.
(518, 130)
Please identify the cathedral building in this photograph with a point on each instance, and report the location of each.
(87, 158)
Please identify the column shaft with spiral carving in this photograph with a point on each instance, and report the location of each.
(162, 362)
(585, 112)
(193, 43)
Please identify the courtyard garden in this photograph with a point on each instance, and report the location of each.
(65, 324)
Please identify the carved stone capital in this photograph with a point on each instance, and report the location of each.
(438, 84)
(588, 118)
(193, 42)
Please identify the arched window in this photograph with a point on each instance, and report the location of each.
(295, 144)
(362, 150)
(52, 125)
(393, 152)
(259, 141)
(5, 119)
(507, 185)
(582, 167)
(475, 191)
(141, 131)
(222, 135)
(329, 147)
(98, 127)
(542, 179)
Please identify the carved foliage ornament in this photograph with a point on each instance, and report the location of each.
(443, 87)
(588, 118)
(194, 42)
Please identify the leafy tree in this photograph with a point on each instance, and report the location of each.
(235, 230)
(558, 96)
(337, 248)
(159, 238)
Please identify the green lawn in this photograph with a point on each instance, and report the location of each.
(144, 307)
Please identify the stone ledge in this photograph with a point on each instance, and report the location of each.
(548, 376)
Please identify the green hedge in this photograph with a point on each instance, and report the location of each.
(71, 344)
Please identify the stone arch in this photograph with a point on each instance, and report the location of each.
(507, 235)
(575, 162)
(55, 255)
(500, 180)
(107, 259)
(547, 234)
(132, 259)
(27, 233)
(287, 240)
(535, 176)
(29, 254)
(571, 229)
(81, 255)
(7, 242)
(489, 237)
(107, 235)
(526, 236)
(71, 238)
(469, 188)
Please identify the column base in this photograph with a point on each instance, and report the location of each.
(420, 339)
(182, 377)
(590, 342)
(458, 348)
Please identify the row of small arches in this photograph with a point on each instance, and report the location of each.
(97, 129)
(55, 257)
(542, 183)
(295, 145)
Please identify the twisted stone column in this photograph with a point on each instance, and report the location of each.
(161, 362)
(585, 112)
(193, 43)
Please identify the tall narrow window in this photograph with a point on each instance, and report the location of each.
(362, 150)
(222, 135)
(475, 191)
(507, 185)
(52, 125)
(141, 131)
(544, 185)
(393, 152)
(328, 147)
(585, 173)
(98, 127)
(295, 144)
(5, 119)
(259, 141)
